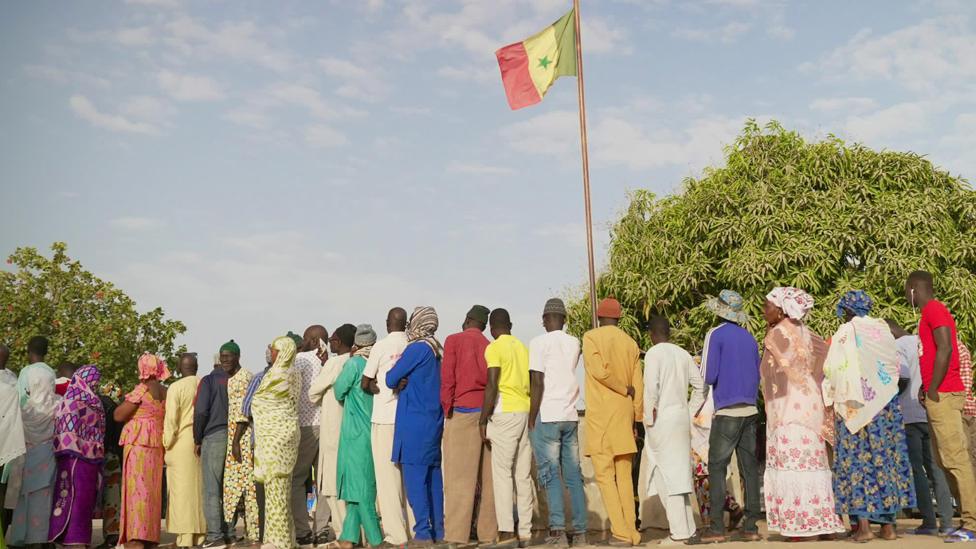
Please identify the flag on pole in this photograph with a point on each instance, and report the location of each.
(531, 66)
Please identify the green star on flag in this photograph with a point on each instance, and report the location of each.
(545, 62)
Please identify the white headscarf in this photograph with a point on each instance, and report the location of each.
(795, 302)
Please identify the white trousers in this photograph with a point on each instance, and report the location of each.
(681, 519)
(389, 487)
(511, 469)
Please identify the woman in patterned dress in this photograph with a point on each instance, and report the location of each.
(79, 446)
(275, 412)
(143, 412)
(798, 492)
(239, 473)
(872, 473)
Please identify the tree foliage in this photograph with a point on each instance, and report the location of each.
(827, 217)
(86, 319)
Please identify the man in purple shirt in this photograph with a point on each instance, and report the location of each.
(731, 359)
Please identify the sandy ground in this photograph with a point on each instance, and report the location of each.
(651, 538)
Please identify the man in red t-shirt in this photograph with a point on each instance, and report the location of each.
(944, 395)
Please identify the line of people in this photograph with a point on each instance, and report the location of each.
(417, 443)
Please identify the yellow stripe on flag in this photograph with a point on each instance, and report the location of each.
(543, 52)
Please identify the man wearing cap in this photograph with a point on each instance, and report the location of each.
(612, 362)
(389, 479)
(554, 423)
(731, 359)
(210, 437)
(466, 459)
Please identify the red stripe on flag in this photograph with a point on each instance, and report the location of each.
(519, 88)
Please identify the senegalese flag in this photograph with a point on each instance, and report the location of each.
(529, 67)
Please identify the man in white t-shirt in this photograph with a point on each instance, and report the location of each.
(554, 422)
(389, 481)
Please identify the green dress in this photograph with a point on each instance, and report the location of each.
(355, 477)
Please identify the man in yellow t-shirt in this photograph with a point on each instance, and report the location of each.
(505, 425)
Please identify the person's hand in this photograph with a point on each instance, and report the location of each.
(235, 451)
(484, 435)
(921, 395)
(933, 394)
(531, 423)
(450, 412)
(196, 449)
(400, 386)
(323, 355)
(630, 391)
(654, 415)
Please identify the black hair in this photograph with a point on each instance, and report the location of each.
(191, 355)
(500, 318)
(37, 345)
(924, 277)
(346, 334)
(659, 325)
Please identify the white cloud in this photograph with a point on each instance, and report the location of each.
(356, 81)
(889, 123)
(135, 36)
(249, 118)
(146, 107)
(553, 133)
(927, 57)
(135, 223)
(602, 36)
(833, 104)
(63, 76)
(308, 98)
(243, 41)
(189, 87)
(322, 136)
(474, 168)
(84, 108)
(410, 110)
(480, 73)
(781, 31)
(726, 34)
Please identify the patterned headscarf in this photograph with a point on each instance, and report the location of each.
(421, 327)
(151, 365)
(79, 427)
(857, 302)
(795, 302)
(286, 348)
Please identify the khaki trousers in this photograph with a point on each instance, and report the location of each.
(970, 424)
(389, 487)
(466, 465)
(613, 476)
(511, 471)
(951, 445)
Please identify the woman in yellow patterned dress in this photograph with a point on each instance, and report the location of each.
(239, 475)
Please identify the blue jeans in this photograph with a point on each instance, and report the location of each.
(556, 447)
(925, 471)
(213, 452)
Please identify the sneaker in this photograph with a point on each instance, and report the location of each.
(943, 532)
(306, 541)
(219, 543)
(925, 531)
(556, 538)
(961, 535)
(578, 540)
(325, 535)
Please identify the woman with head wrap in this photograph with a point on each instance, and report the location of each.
(36, 472)
(79, 445)
(355, 477)
(143, 412)
(872, 472)
(799, 495)
(420, 424)
(275, 411)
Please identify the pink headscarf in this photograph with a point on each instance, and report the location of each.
(795, 302)
(151, 365)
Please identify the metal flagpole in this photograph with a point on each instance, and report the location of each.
(586, 160)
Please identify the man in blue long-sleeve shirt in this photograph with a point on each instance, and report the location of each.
(731, 359)
(210, 437)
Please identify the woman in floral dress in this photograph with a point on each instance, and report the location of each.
(797, 481)
(872, 473)
(143, 412)
(239, 473)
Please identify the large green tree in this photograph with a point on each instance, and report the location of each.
(824, 216)
(86, 319)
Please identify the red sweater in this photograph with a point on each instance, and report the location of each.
(464, 372)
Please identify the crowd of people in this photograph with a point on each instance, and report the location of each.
(407, 441)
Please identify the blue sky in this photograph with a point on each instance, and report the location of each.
(255, 167)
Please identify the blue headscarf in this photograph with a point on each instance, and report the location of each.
(855, 301)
